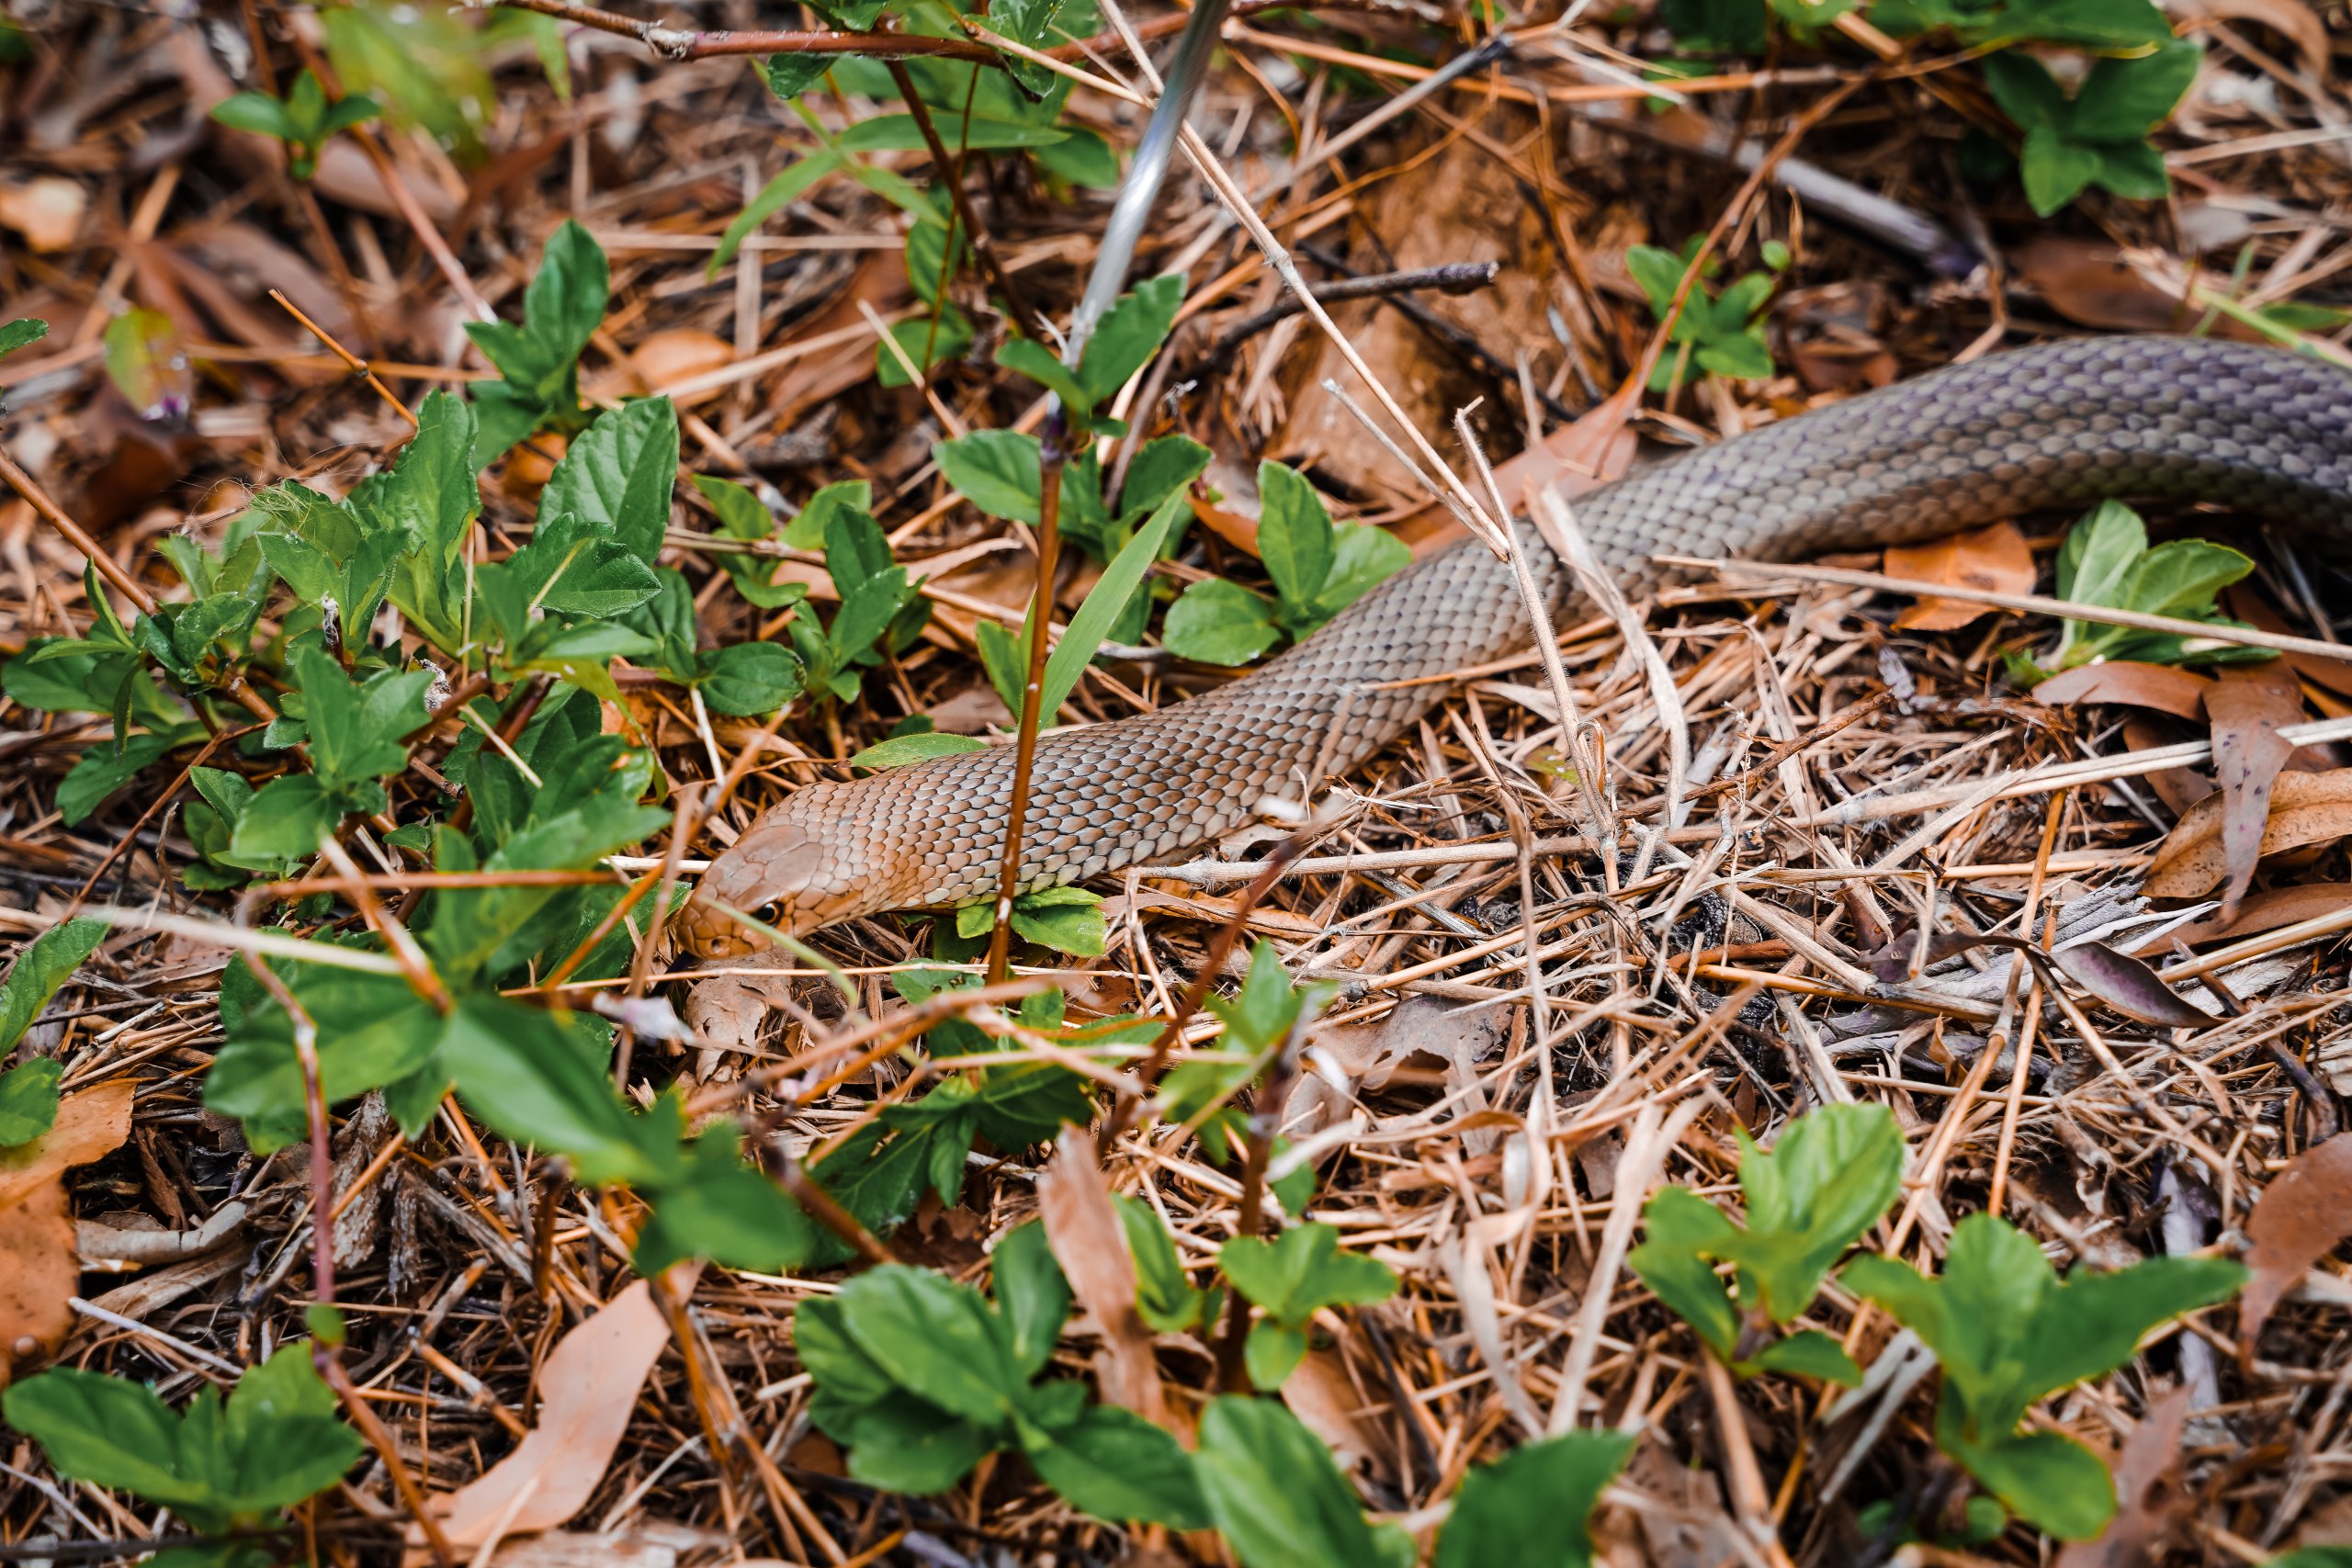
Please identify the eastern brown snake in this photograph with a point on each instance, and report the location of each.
(2262, 432)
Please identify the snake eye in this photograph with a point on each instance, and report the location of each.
(770, 912)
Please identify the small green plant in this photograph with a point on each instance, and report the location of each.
(1826, 1182)
(920, 1378)
(539, 362)
(2108, 561)
(225, 1467)
(29, 1092)
(2008, 1333)
(2099, 135)
(1721, 333)
(1318, 569)
(303, 119)
(15, 335)
(1289, 1279)
(1533, 1506)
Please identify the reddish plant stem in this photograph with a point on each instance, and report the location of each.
(1033, 690)
(951, 172)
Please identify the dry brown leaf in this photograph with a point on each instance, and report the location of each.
(1091, 1245)
(2298, 1219)
(2248, 605)
(38, 1267)
(1994, 559)
(2167, 688)
(2249, 705)
(666, 358)
(1323, 1397)
(2147, 1495)
(588, 1387)
(2305, 808)
(2097, 286)
(47, 212)
(2265, 912)
(2297, 20)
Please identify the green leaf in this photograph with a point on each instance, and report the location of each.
(933, 1337)
(1294, 535)
(1271, 1352)
(280, 1434)
(1739, 355)
(44, 965)
(1262, 1015)
(1028, 358)
(1163, 465)
(1129, 335)
(1731, 27)
(1216, 621)
(372, 1030)
(1273, 1490)
(16, 335)
(1165, 1297)
(617, 477)
(1114, 1464)
(1809, 1354)
(2045, 1478)
(783, 187)
(1532, 1509)
(287, 820)
(789, 75)
(2055, 170)
(899, 750)
(28, 1100)
(1303, 1271)
(1365, 556)
(717, 1207)
(1068, 920)
(1033, 1296)
(259, 113)
(107, 1432)
(2099, 554)
(996, 470)
(748, 679)
(1827, 1181)
(2123, 99)
(900, 133)
(1103, 602)
(906, 1445)
(1673, 1264)
(530, 1080)
(2026, 91)
(2181, 576)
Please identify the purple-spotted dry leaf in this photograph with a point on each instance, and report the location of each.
(2163, 687)
(2305, 808)
(2248, 706)
(2128, 986)
(2298, 1219)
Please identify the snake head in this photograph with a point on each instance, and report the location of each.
(791, 874)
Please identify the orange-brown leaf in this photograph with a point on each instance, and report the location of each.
(2298, 1219)
(39, 1268)
(1090, 1242)
(2265, 912)
(2249, 706)
(588, 1387)
(2305, 808)
(1994, 558)
(2165, 687)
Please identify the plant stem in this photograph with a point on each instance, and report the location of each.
(951, 172)
(1032, 692)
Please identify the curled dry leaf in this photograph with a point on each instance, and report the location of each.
(588, 1388)
(2167, 688)
(2265, 912)
(2298, 1219)
(680, 354)
(2305, 808)
(1994, 559)
(2248, 706)
(1090, 1243)
(2147, 1492)
(38, 1267)
(2128, 986)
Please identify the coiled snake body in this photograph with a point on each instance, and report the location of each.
(2261, 431)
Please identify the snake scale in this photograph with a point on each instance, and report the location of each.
(2262, 432)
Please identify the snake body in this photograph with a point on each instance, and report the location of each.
(2266, 432)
